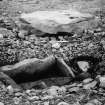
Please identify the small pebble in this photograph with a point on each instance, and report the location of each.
(33, 98)
(90, 85)
(19, 12)
(16, 100)
(10, 89)
(46, 103)
(47, 97)
(53, 91)
(56, 91)
(85, 81)
(1, 103)
(56, 45)
(18, 94)
(102, 81)
(83, 65)
(28, 91)
(22, 34)
(73, 89)
(63, 103)
(1, 36)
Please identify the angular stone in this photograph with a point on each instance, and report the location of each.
(10, 89)
(87, 80)
(1, 36)
(83, 65)
(90, 85)
(56, 91)
(63, 103)
(55, 21)
(102, 81)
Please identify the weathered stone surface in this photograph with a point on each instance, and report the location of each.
(94, 102)
(34, 69)
(56, 21)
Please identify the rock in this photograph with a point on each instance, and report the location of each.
(1, 103)
(47, 97)
(94, 102)
(80, 85)
(63, 103)
(82, 76)
(73, 89)
(83, 65)
(46, 103)
(28, 91)
(18, 94)
(19, 12)
(102, 81)
(5, 33)
(1, 36)
(56, 91)
(77, 103)
(53, 91)
(89, 103)
(10, 89)
(33, 98)
(34, 69)
(16, 100)
(22, 34)
(55, 21)
(87, 80)
(90, 85)
(56, 45)
(72, 85)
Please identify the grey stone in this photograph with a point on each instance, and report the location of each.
(56, 21)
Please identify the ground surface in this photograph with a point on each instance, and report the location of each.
(14, 49)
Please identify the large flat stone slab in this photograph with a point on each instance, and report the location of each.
(56, 20)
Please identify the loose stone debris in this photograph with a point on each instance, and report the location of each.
(19, 43)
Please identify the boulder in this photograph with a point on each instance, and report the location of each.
(56, 20)
(30, 70)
